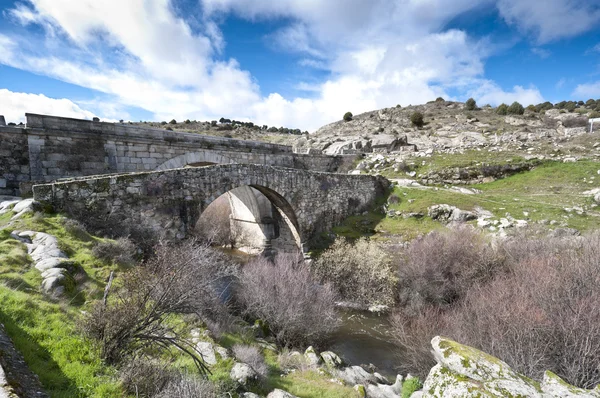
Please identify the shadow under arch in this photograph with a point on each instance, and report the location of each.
(252, 218)
(195, 159)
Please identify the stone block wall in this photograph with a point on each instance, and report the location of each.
(14, 160)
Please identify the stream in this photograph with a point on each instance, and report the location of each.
(363, 337)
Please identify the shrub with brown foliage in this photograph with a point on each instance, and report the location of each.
(178, 280)
(284, 293)
(361, 272)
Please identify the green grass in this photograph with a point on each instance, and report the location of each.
(543, 193)
(44, 333)
(44, 329)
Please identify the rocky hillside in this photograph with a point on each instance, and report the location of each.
(448, 127)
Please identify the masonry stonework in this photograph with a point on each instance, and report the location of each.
(171, 201)
(51, 148)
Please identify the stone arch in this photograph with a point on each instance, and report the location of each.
(260, 219)
(202, 158)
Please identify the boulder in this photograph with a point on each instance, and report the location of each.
(331, 359)
(207, 352)
(277, 393)
(312, 358)
(242, 373)
(466, 372)
(355, 375)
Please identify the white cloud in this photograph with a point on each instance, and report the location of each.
(14, 105)
(490, 93)
(551, 19)
(587, 90)
(142, 53)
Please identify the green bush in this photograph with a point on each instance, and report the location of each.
(173, 121)
(531, 108)
(594, 115)
(440, 99)
(348, 116)
(515, 109)
(470, 105)
(544, 106)
(502, 109)
(417, 119)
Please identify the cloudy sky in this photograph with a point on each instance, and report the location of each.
(293, 63)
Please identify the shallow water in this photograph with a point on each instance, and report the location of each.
(364, 338)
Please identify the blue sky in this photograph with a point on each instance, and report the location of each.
(296, 63)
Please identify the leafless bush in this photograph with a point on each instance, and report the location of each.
(251, 356)
(145, 378)
(439, 268)
(361, 272)
(121, 251)
(187, 387)
(292, 360)
(182, 279)
(413, 334)
(540, 313)
(153, 379)
(75, 228)
(284, 294)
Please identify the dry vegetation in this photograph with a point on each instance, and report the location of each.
(530, 301)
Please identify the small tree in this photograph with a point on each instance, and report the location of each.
(502, 109)
(348, 116)
(516, 109)
(470, 105)
(173, 121)
(440, 99)
(417, 119)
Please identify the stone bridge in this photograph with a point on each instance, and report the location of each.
(171, 202)
(48, 148)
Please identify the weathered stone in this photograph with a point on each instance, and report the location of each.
(355, 375)
(463, 371)
(312, 358)
(277, 393)
(331, 359)
(207, 352)
(242, 373)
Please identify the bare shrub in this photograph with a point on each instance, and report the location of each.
(188, 387)
(182, 279)
(284, 293)
(413, 333)
(361, 272)
(121, 251)
(251, 356)
(292, 360)
(439, 268)
(539, 313)
(75, 228)
(145, 378)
